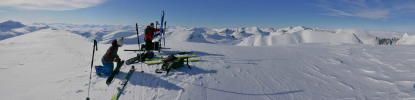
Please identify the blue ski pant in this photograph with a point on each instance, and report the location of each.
(107, 68)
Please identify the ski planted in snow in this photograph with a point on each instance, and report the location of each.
(161, 25)
(124, 82)
(115, 72)
(138, 36)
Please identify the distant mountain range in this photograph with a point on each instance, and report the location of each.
(245, 36)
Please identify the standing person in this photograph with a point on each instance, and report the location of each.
(111, 56)
(148, 38)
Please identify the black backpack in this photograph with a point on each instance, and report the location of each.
(171, 62)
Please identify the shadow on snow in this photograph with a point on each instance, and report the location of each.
(193, 71)
(240, 93)
(149, 80)
(275, 93)
(154, 81)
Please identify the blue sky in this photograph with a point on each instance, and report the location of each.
(389, 15)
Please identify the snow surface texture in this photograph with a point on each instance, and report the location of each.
(289, 64)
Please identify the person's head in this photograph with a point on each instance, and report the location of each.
(152, 24)
(118, 42)
(114, 43)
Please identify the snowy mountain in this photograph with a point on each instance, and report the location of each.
(254, 36)
(245, 36)
(11, 28)
(102, 33)
(9, 25)
(252, 63)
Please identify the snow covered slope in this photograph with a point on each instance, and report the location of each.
(407, 40)
(11, 28)
(55, 63)
(42, 65)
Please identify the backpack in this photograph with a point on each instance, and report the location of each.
(171, 62)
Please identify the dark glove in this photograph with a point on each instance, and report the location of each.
(117, 59)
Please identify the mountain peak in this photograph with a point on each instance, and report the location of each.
(9, 25)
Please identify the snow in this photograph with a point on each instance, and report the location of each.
(42, 64)
(253, 63)
(407, 39)
(12, 28)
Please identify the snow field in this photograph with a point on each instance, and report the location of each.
(292, 63)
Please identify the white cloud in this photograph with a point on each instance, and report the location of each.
(373, 14)
(356, 3)
(371, 9)
(408, 6)
(335, 12)
(54, 5)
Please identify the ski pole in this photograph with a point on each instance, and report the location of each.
(95, 47)
(138, 36)
(141, 57)
(164, 31)
(154, 45)
(142, 70)
(157, 23)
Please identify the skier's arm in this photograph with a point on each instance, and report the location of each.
(115, 55)
(156, 32)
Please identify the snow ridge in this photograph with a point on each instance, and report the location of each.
(9, 29)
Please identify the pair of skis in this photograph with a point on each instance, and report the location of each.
(124, 83)
(189, 58)
(115, 72)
